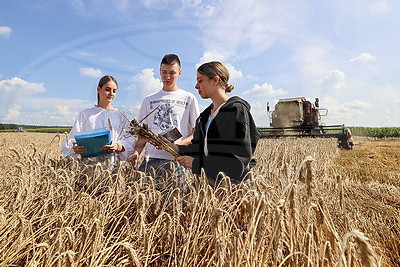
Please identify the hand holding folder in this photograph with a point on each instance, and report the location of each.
(93, 141)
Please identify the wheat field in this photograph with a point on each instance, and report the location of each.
(302, 206)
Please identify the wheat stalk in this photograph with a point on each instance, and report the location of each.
(45, 219)
(137, 129)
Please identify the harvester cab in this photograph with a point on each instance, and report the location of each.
(298, 117)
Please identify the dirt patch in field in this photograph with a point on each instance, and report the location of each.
(372, 160)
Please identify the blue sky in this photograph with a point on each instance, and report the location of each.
(53, 52)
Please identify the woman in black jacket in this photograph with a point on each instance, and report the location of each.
(225, 136)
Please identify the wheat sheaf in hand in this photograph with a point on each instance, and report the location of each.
(137, 129)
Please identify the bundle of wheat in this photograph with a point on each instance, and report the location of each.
(137, 129)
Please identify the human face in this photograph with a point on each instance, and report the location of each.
(169, 75)
(107, 93)
(205, 86)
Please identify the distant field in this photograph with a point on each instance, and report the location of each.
(40, 130)
(378, 132)
(33, 128)
(49, 130)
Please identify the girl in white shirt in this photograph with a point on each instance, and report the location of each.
(102, 116)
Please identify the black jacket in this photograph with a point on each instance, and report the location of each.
(231, 141)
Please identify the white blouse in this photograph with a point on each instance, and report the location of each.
(98, 118)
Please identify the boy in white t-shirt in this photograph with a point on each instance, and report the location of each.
(174, 108)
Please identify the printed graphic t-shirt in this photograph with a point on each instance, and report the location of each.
(178, 109)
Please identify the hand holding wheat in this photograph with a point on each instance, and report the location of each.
(156, 140)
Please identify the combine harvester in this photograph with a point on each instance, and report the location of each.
(297, 117)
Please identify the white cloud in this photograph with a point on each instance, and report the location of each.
(201, 9)
(117, 10)
(145, 82)
(229, 27)
(198, 8)
(355, 112)
(17, 85)
(226, 25)
(264, 90)
(212, 55)
(5, 31)
(127, 10)
(157, 4)
(58, 115)
(13, 112)
(206, 11)
(46, 111)
(233, 73)
(378, 7)
(36, 103)
(42, 111)
(63, 110)
(362, 8)
(388, 119)
(314, 60)
(90, 72)
(260, 115)
(131, 111)
(334, 81)
(363, 58)
(357, 105)
(351, 109)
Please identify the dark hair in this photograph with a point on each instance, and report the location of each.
(105, 79)
(216, 68)
(170, 59)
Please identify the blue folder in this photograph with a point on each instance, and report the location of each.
(93, 141)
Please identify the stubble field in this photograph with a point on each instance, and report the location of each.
(307, 203)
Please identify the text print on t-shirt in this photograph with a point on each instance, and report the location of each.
(164, 117)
